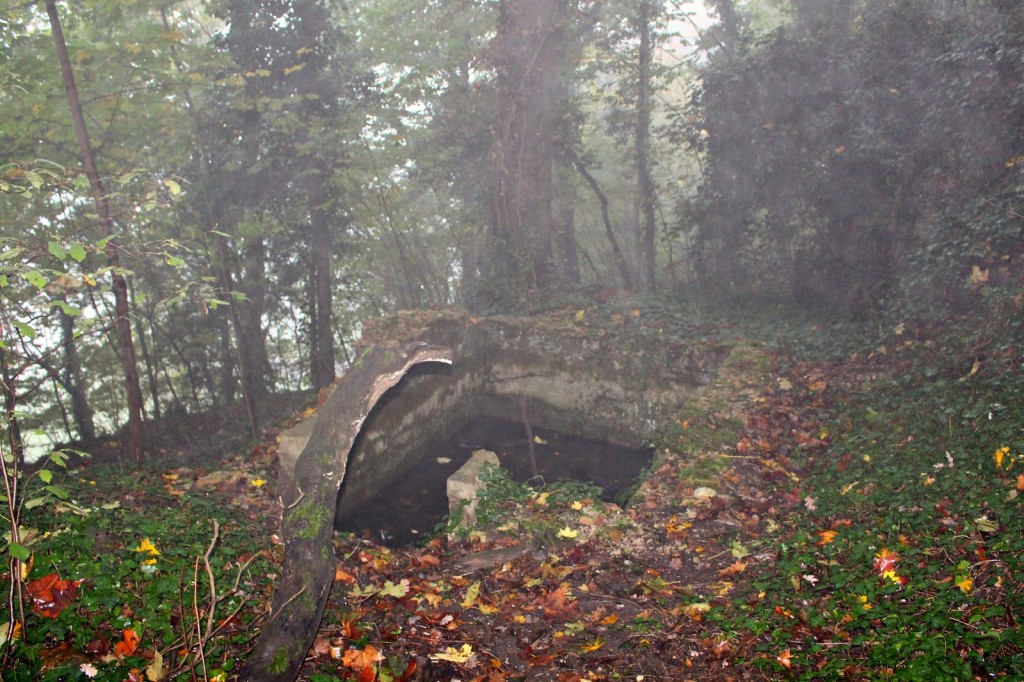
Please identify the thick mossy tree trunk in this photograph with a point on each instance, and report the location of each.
(308, 523)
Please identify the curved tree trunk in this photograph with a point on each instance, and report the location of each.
(308, 523)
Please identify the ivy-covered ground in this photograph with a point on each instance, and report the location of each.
(843, 502)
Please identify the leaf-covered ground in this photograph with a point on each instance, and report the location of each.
(841, 503)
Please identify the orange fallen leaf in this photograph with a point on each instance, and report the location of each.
(361, 659)
(128, 644)
(827, 536)
(784, 659)
(735, 568)
(343, 576)
(1020, 482)
(557, 602)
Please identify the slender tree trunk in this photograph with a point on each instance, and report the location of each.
(13, 429)
(645, 186)
(564, 216)
(119, 284)
(322, 347)
(81, 411)
(227, 360)
(227, 284)
(147, 361)
(620, 257)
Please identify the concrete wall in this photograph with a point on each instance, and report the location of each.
(618, 387)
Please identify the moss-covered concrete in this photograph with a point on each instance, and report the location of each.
(617, 385)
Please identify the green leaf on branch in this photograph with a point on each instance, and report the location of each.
(67, 308)
(57, 491)
(77, 252)
(45, 475)
(35, 278)
(19, 551)
(57, 251)
(25, 330)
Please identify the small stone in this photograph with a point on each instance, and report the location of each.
(704, 493)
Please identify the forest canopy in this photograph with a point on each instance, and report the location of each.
(269, 173)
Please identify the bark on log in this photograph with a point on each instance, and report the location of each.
(308, 522)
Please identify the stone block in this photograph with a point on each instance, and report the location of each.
(464, 487)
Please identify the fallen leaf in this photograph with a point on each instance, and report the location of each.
(472, 594)
(51, 595)
(827, 537)
(343, 576)
(128, 644)
(362, 659)
(593, 646)
(784, 660)
(568, 533)
(557, 602)
(885, 561)
(155, 670)
(453, 655)
(696, 611)
(734, 569)
(390, 589)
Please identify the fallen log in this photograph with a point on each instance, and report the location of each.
(308, 521)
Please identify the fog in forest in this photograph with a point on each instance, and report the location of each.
(713, 307)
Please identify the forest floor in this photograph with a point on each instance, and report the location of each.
(840, 503)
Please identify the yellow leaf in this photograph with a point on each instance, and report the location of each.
(577, 505)
(292, 69)
(542, 499)
(580, 314)
(258, 482)
(454, 655)
(173, 187)
(965, 585)
(155, 670)
(593, 646)
(147, 546)
(568, 533)
(695, 611)
(472, 594)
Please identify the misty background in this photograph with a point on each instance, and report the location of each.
(277, 171)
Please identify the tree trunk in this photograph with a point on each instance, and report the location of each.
(227, 284)
(81, 411)
(645, 186)
(529, 59)
(322, 326)
(11, 427)
(620, 257)
(308, 523)
(119, 284)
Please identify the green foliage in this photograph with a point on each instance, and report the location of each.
(125, 586)
(903, 564)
